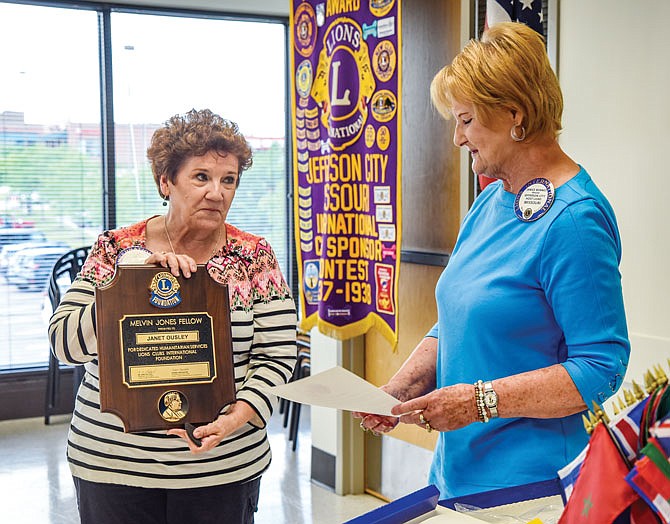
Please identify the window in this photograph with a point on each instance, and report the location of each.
(163, 65)
(52, 175)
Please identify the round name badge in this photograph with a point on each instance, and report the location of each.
(534, 200)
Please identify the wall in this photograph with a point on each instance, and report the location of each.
(614, 72)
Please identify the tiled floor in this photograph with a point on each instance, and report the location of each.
(36, 487)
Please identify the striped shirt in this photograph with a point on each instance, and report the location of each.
(263, 338)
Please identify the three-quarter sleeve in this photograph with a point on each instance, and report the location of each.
(583, 286)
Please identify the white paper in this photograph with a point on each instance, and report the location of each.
(340, 389)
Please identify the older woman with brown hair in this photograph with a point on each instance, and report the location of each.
(197, 161)
(531, 328)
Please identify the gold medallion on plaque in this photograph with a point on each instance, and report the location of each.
(173, 406)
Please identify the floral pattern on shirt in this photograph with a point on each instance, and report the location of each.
(246, 263)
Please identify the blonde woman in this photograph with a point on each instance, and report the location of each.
(531, 326)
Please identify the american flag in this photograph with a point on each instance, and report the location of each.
(529, 12)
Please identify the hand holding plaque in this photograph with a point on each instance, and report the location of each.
(164, 348)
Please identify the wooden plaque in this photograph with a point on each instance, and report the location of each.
(164, 348)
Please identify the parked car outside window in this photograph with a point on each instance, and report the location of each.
(8, 250)
(14, 235)
(30, 269)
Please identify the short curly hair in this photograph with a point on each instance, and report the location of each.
(195, 133)
(507, 69)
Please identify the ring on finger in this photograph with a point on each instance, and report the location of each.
(425, 423)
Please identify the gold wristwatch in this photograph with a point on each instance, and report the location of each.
(491, 399)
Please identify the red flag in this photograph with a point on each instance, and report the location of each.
(601, 492)
(651, 481)
(653, 486)
(641, 513)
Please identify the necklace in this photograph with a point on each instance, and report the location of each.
(167, 234)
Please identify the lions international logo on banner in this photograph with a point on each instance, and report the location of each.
(346, 142)
(343, 103)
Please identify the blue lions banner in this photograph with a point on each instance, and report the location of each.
(345, 60)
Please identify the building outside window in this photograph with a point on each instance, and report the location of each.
(52, 157)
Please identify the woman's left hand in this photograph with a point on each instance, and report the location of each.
(444, 409)
(210, 435)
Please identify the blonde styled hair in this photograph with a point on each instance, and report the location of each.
(508, 69)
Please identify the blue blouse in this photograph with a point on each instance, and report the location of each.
(517, 296)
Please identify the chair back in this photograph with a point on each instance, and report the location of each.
(69, 264)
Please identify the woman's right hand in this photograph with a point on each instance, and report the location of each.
(377, 423)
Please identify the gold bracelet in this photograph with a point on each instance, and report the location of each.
(479, 399)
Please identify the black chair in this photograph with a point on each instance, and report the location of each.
(304, 367)
(65, 269)
(291, 410)
(303, 343)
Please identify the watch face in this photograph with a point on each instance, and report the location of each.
(490, 399)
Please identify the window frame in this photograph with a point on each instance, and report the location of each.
(27, 386)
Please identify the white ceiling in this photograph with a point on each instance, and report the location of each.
(259, 7)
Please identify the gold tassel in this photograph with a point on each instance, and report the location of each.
(649, 382)
(600, 413)
(630, 399)
(622, 404)
(638, 391)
